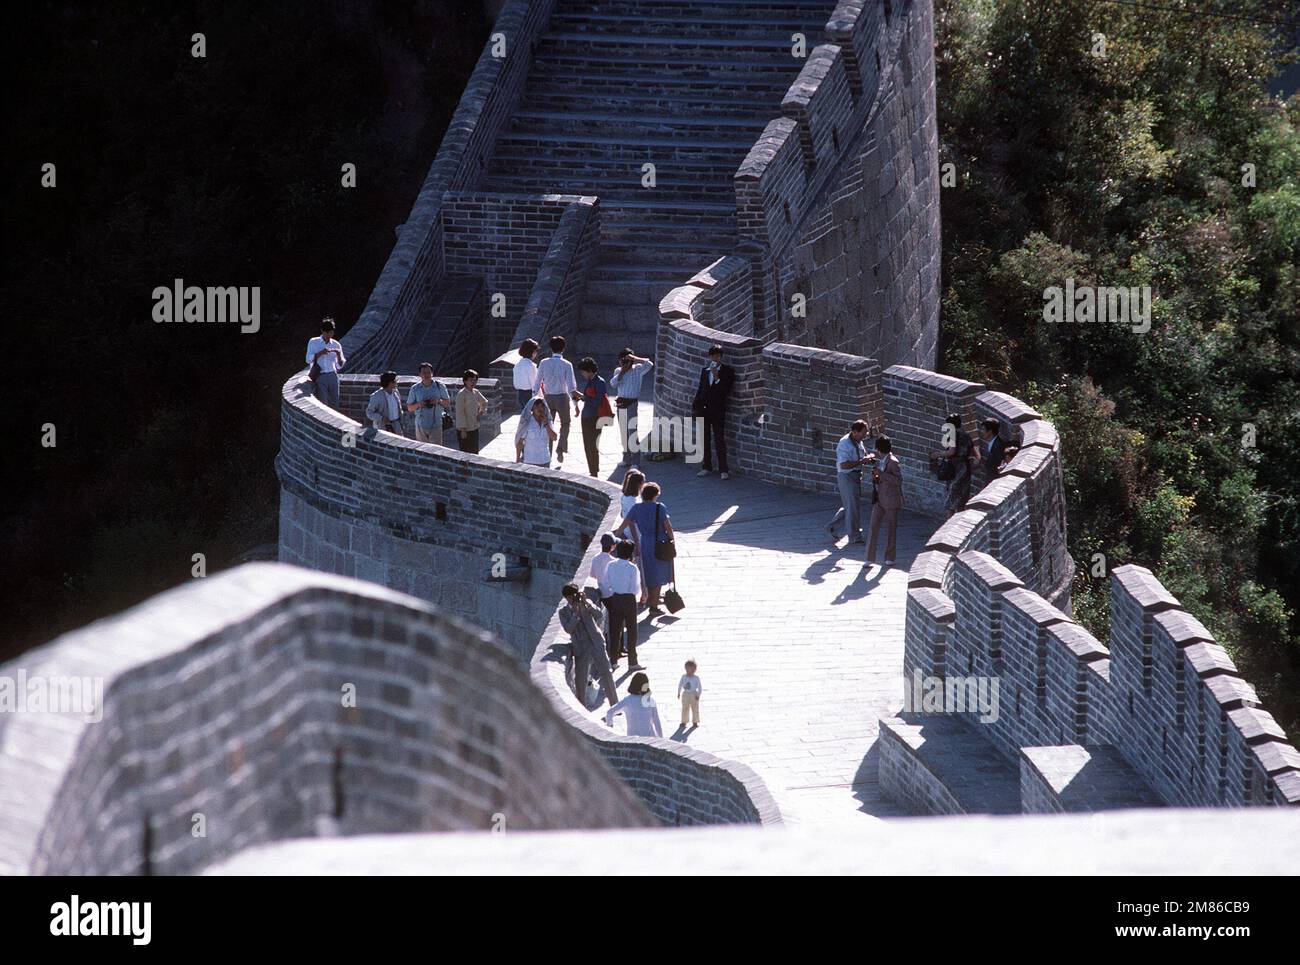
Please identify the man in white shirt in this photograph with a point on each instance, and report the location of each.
(599, 566)
(326, 353)
(384, 410)
(626, 384)
(526, 372)
(623, 580)
(558, 382)
(850, 457)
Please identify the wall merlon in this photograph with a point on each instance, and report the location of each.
(1182, 628)
(988, 570)
(953, 534)
(1141, 585)
(1256, 725)
(1008, 409)
(937, 605)
(1208, 659)
(1034, 607)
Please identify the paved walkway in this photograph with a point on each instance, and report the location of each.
(800, 647)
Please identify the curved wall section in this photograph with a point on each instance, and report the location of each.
(431, 521)
(237, 730)
(427, 520)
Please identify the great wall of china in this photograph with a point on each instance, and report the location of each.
(779, 182)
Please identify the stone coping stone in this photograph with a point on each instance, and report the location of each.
(1085, 779)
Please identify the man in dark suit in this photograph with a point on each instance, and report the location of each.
(992, 448)
(716, 382)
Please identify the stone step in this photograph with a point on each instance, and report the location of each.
(756, 106)
(768, 86)
(756, 20)
(643, 318)
(682, 258)
(579, 61)
(643, 50)
(702, 149)
(656, 9)
(633, 291)
(429, 337)
(637, 127)
(535, 160)
(638, 273)
(611, 183)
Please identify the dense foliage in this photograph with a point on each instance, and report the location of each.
(1134, 146)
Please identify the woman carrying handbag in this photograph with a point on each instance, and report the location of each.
(656, 544)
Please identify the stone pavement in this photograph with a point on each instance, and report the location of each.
(799, 646)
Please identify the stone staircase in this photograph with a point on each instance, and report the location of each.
(685, 86)
(442, 337)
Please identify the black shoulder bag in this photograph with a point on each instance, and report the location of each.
(666, 550)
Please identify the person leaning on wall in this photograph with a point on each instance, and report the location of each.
(954, 463)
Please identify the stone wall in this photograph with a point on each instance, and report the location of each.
(533, 249)
(555, 298)
(355, 392)
(837, 212)
(407, 287)
(430, 521)
(980, 604)
(427, 520)
(681, 785)
(225, 726)
(841, 194)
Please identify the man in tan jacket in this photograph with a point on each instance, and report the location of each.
(887, 500)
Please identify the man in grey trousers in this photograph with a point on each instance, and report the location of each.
(582, 620)
(850, 457)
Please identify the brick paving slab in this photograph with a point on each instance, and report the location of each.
(800, 647)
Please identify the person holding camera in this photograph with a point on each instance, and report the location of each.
(886, 499)
(581, 620)
(626, 384)
(850, 457)
(424, 400)
(384, 410)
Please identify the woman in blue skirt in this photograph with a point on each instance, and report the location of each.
(650, 526)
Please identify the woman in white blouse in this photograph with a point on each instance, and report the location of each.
(639, 709)
(534, 436)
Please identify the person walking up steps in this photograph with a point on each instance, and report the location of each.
(689, 690)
